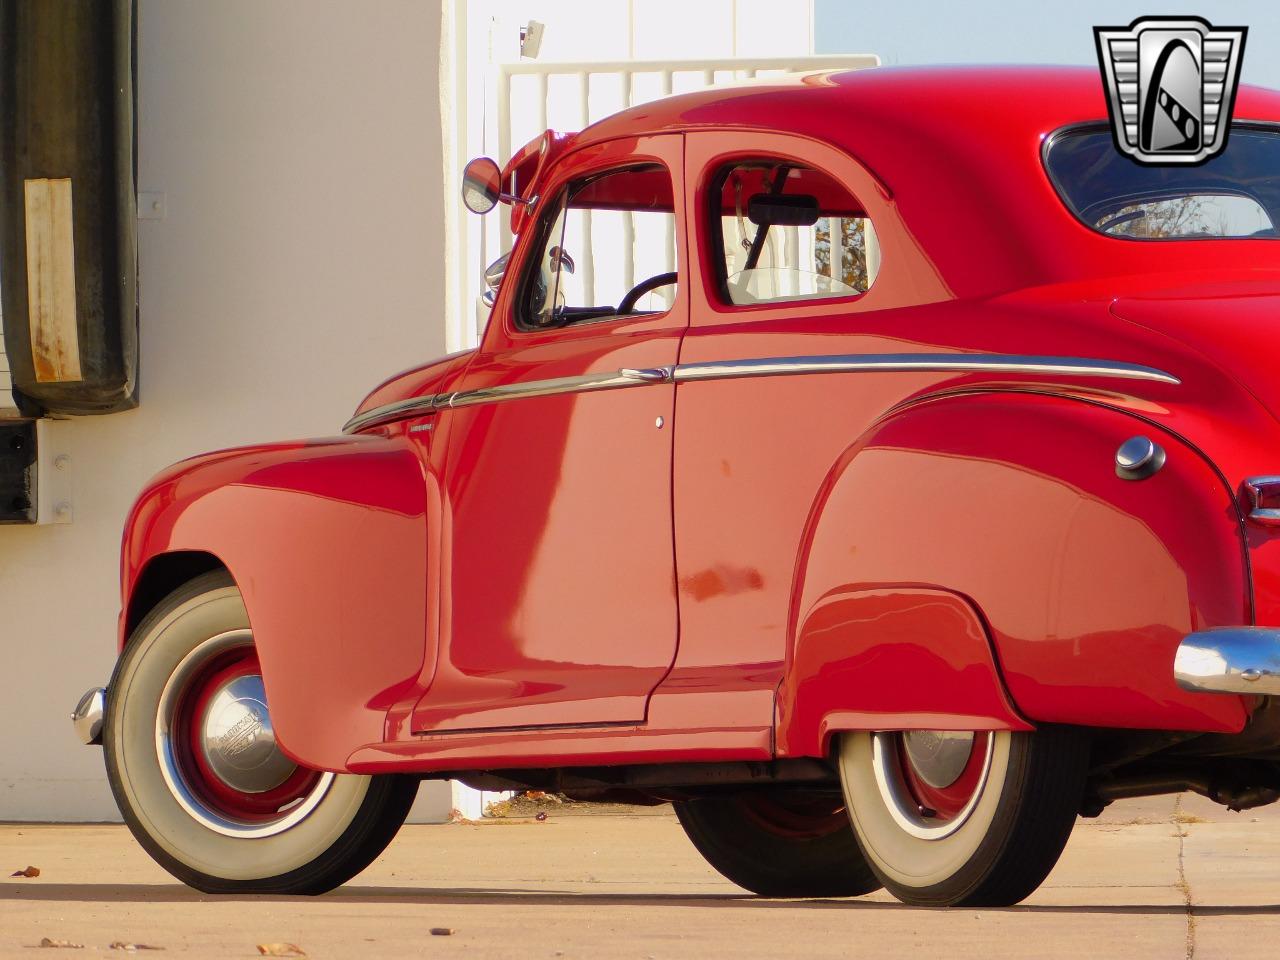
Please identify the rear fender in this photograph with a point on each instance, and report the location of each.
(1009, 504)
(327, 541)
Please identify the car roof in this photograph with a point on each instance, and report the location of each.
(958, 148)
(969, 103)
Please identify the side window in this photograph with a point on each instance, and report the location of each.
(607, 249)
(790, 232)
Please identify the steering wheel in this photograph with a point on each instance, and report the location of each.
(633, 296)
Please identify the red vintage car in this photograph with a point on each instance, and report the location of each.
(875, 465)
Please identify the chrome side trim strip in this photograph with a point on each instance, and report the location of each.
(392, 411)
(765, 367)
(586, 383)
(911, 362)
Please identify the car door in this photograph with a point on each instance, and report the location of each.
(558, 593)
(759, 432)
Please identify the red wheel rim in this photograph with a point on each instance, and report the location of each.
(798, 818)
(191, 747)
(943, 803)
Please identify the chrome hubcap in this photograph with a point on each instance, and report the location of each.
(938, 756)
(238, 740)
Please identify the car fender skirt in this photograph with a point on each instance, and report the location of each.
(893, 658)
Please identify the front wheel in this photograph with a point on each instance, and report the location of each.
(963, 819)
(195, 768)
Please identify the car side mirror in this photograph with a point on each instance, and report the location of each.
(481, 185)
(779, 210)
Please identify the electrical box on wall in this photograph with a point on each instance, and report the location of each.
(35, 474)
(18, 471)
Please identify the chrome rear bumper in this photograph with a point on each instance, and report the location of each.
(1230, 660)
(87, 716)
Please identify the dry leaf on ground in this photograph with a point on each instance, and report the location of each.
(29, 872)
(442, 931)
(133, 947)
(52, 942)
(281, 950)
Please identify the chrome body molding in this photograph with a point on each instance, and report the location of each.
(1230, 660)
(764, 367)
(919, 362)
(391, 412)
(87, 717)
(585, 383)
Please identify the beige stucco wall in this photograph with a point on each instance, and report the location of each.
(300, 260)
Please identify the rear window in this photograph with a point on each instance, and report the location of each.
(1234, 195)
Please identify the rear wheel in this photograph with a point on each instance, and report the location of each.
(963, 819)
(779, 843)
(194, 765)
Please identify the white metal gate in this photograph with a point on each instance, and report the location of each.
(523, 99)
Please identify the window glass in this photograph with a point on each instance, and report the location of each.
(1236, 194)
(790, 232)
(607, 250)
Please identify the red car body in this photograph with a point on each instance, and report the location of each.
(688, 553)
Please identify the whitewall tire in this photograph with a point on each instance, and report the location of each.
(193, 763)
(963, 819)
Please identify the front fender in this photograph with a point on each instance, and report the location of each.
(1086, 582)
(327, 541)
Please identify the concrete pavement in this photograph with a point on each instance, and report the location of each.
(1159, 878)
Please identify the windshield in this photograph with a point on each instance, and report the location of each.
(1234, 195)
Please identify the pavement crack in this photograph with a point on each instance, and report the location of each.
(1179, 824)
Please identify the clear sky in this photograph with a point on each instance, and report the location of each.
(1030, 31)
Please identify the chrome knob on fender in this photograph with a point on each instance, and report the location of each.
(1138, 458)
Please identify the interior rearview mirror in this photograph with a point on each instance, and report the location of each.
(782, 210)
(481, 185)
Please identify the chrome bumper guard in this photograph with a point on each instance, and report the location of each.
(1230, 660)
(87, 716)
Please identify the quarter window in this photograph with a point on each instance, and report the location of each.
(607, 250)
(790, 232)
